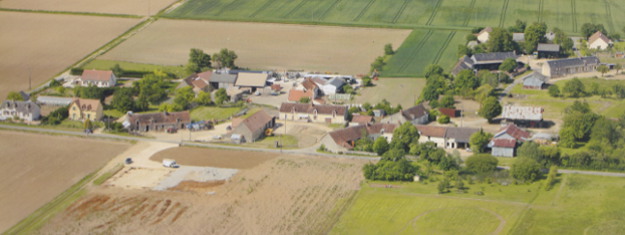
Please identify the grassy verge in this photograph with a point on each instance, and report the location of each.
(180, 71)
(71, 13)
(288, 142)
(213, 112)
(104, 177)
(37, 219)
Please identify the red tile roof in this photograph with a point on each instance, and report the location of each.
(296, 95)
(596, 36)
(87, 104)
(257, 121)
(96, 75)
(362, 119)
(347, 136)
(199, 83)
(515, 132)
(504, 143)
(309, 84)
(434, 131)
(206, 76)
(447, 111)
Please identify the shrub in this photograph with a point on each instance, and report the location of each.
(76, 71)
(443, 119)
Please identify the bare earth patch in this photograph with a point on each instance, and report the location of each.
(288, 194)
(127, 7)
(214, 157)
(261, 45)
(36, 168)
(42, 45)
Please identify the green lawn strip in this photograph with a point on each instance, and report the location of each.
(288, 142)
(37, 219)
(71, 13)
(212, 112)
(113, 113)
(107, 175)
(180, 71)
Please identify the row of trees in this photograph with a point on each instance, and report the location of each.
(575, 88)
(200, 61)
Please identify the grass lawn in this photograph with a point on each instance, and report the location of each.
(113, 113)
(577, 204)
(212, 112)
(108, 64)
(288, 142)
(389, 88)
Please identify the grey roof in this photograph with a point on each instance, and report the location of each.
(415, 112)
(20, 106)
(494, 57)
(223, 78)
(518, 37)
(337, 82)
(460, 134)
(573, 62)
(548, 47)
(534, 79)
(464, 63)
(472, 44)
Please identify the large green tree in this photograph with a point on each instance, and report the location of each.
(534, 34)
(221, 96)
(122, 100)
(490, 109)
(500, 40)
(479, 140)
(153, 87)
(574, 88)
(404, 136)
(380, 146)
(184, 97)
(589, 29)
(14, 95)
(508, 65)
(482, 163)
(466, 81)
(525, 169)
(225, 58)
(198, 60)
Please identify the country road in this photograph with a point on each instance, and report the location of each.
(291, 151)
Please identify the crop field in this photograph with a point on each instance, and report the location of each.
(179, 71)
(123, 7)
(577, 204)
(568, 15)
(275, 194)
(387, 88)
(36, 168)
(422, 48)
(42, 45)
(260, 46)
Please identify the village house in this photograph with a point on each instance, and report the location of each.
(534, 80)
(329, 87)
(564, 67)
(345, 139)
(253, 127)
(199, 81)
(83, 109)
(416, 115)
(599, 41)
(22, 110)
(484, 35)
(505, 141)
(358, 119)
(545, 50)
(99, 78)
(307, 89)
(446, 137)
(323, 113)
(157, 121)
(488, 61)
(523, 115)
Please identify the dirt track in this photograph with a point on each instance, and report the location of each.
(261, 45)
(36, 168)
(129, 7)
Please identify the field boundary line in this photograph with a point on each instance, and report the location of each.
(608, 11)
(362, 12)
(299, 5)
(323, 15)
(574, 15)
(425, 38)
(504, 10)
(444, 47)
(434, 12)
(401, 11)
(541, 7)
(226, 7)
(471, 8)
(82, 13)
(261, 8)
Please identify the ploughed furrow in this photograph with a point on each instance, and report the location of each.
(323, 15)
(574, 16)
(414, 52)
(434, 12)
(504, 9)
(364, 10)
(401, 11)
(261, 8)
(227, 7)
(292, 11)
(471, 7)
(444, 47)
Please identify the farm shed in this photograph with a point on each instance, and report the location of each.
(53, 100)
(157, 121)
(525, 115)
(251, 80)
(254, 126)
(489, 61)
(449, 112)
(505, 141)
(345, 139)
(446, 137)
(534, 80)
(563, 67)
(323, 113)
(546, 50)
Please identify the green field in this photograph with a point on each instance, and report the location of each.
(108, 64)
(568, 15)
(578, 204)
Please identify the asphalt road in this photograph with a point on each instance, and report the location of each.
(292, 151)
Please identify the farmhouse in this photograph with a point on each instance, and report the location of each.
(329, 87)
(506, 140)
(447, 137)
(324, 113)
(534, 80)
(416, 115)
(99, 78)
(251, 80)
(199, 81)
(296, 95)
(253, 127)
(484, 35)
(489, 61)
(53, 100)
(85, 109)
(545, 50)
(524, 115)
(563, 67)
(23, 110)
(358, 119)
(157, 121)
(345, 139)
(599, 41)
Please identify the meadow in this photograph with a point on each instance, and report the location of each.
(577, 204)
(387, 88)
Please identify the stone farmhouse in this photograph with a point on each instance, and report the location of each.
(523, 115)
(85, 109)
(505, 141)
(323, 113)
(446, 137)
(199, 81)
(358, 119)
(564, 67)
(157, 121)
(253, 127)
(416, 115)
(488, 61)
(345, 139)
(23, 110)
(534, 80)
(599, 41)
(99, 78)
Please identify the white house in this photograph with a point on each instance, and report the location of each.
(329, 87)
(484, 35)
(599, 41)
(416, 115)
(99, 78)
(24, 110)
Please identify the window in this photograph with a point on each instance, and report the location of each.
(88, 116)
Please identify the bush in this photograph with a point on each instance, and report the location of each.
(525, 170)
(443, 119)
(482, 163)
(76, 71)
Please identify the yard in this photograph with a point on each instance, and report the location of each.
(577, 204)
(404, 91)
(213, 112)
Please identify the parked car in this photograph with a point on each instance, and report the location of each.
(170, 163)
(128, 161)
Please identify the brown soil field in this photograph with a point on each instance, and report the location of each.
(128, 7)
(220, 158)
(261, 45)
(286, 195)
(42, 45)
(36, 168)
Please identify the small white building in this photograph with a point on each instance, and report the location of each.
(599, 41)
(484, 35)
(99, 78)
(329, 87)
